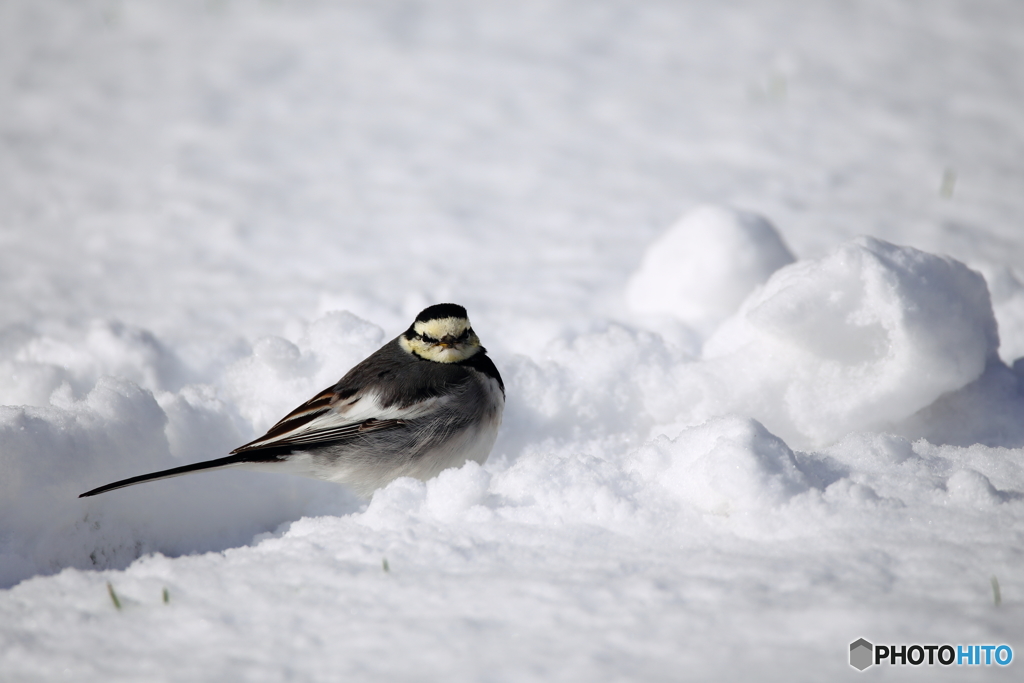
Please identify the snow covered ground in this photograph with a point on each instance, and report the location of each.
(738, 436)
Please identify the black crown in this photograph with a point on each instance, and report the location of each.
(438, 311)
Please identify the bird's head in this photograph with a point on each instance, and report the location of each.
(441, 333)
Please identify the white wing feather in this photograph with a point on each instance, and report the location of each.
(360, 414)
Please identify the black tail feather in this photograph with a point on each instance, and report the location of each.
(229, 461)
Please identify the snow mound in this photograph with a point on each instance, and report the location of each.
(93, 429)
(726, 465)
(973, 488)
(39, 364)
(860, 339)
(51, 454)
(705, 265)
(47, 452)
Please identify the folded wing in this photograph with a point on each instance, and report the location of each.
(325, 419)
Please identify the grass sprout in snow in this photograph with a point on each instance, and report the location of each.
(113, 596)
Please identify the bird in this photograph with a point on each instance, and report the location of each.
(428, 400)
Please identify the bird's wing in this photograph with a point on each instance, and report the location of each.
(328, 418)
(324, 418)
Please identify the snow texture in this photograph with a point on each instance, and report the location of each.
(739, 433)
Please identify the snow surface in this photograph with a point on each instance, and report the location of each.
(210, 210)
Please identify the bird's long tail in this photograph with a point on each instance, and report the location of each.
(250, 459)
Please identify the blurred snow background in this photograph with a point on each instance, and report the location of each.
(738, 435)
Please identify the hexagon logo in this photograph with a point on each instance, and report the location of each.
(860, 654)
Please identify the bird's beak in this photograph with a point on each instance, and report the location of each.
(448, 342)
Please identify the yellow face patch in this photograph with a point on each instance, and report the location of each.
(443, 340)
(441, 328)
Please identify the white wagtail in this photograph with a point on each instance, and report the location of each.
(428, 400)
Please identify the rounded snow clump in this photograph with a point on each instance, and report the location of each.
(857, 340)
(724, 466)
(705, 265)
